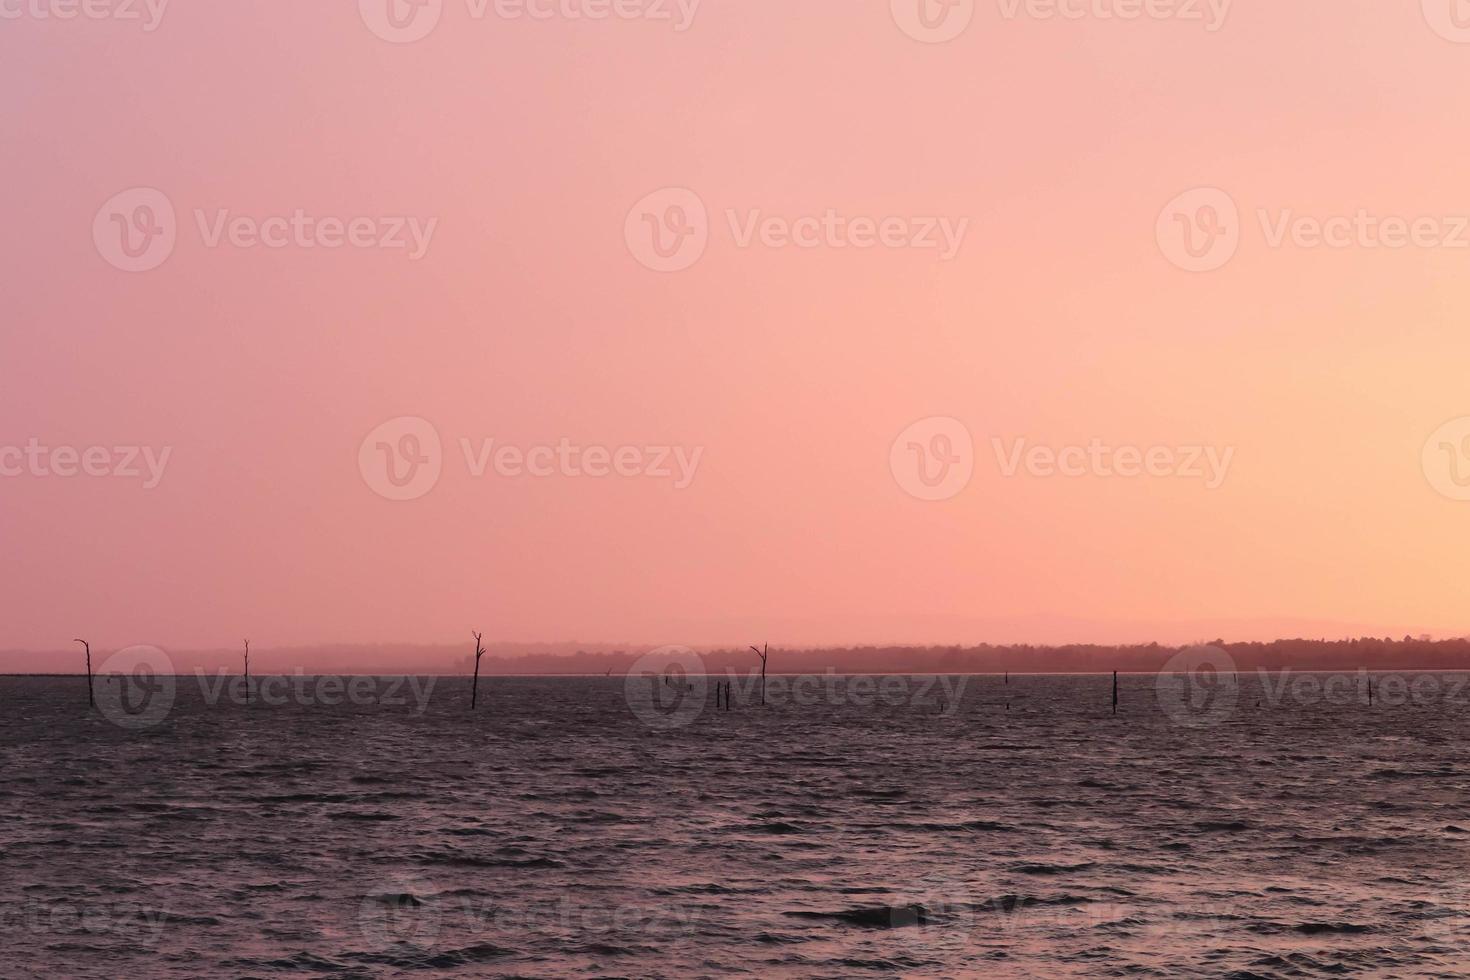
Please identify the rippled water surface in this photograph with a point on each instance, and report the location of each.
(554, 832)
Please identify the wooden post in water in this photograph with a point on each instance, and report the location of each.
(91, 698)
(763, 654)
(475, 685)
(1370, 690)
(247, 671)
(1115, 692)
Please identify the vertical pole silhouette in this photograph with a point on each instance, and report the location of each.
(1370, 690)
(247, 671)
(475, 686)
(763, 654)
(1115, 692)
(91, 698)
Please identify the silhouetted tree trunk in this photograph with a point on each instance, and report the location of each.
(1115, 692)
(91, 698)
(764, 655)
(475, 686)
(247, 671)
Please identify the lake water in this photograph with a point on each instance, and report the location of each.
(612, 827)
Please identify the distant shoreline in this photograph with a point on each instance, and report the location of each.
(1378, 654)
(775, 673)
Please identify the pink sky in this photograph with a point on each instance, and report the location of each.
(1062, 319)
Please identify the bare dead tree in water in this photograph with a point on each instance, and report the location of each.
(475, 686)
(247, 671)
(1115, 692)
(764, 655)
(91, 698)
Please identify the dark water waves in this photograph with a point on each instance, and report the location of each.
(555, 833)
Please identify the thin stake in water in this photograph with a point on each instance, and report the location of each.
(475, 685)
(91, 698)
(763, 654)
